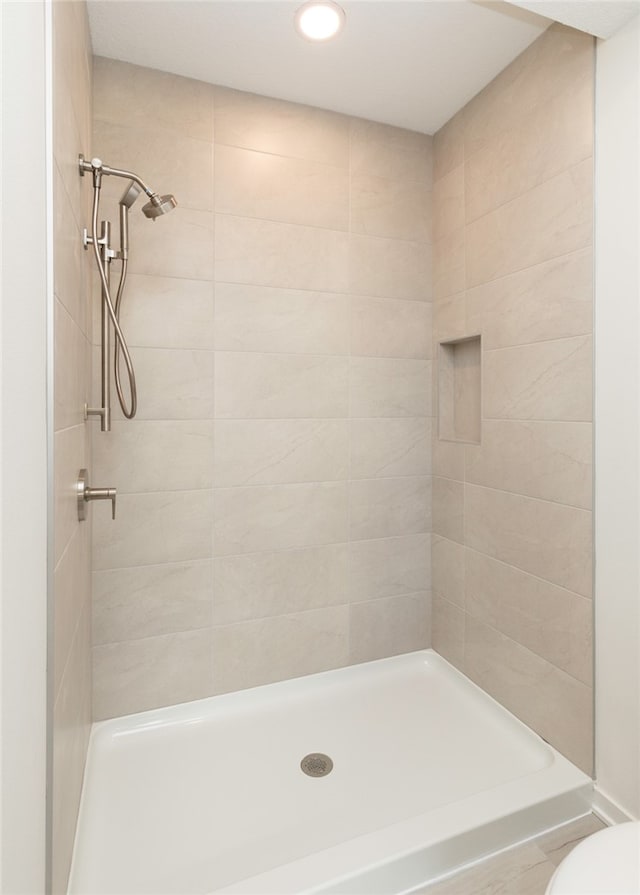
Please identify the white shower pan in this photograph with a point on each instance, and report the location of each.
(429, 773)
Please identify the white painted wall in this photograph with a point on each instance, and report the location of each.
(617, 409)
(26, 284)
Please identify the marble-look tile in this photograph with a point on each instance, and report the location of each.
(552, 622)
(173, 384)
(390, 447)
(396, 209)
(448, 459)
(559, 842)
(71, 596)
(385, 151)
(448, 146)
(553, 300)
(137, 96)
(72, 364)
(69, 457)
(520, 871)
(388, 626)
(267, 253)
(550, 540)
(388, 567)
(555, 705)
(277, 517)
(542, 381)
(448, 203)
(251, 385)
(144, 674)
(448, 630)
(260, 585)
(159, 527)
(270, 452)
(384, 508)
(549, 460)
(68, 255)
(390, 387)
(448, 569)
(552, 219)
(449, 264)
(280, 128)
(147, 601)
(179, 244)
(135, 455)
(260, 318)
(448, 509)
(389, 268)
(295, 191)
(449, 318)
(265, 650)
(390, 328)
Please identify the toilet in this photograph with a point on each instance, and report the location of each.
(606, 863)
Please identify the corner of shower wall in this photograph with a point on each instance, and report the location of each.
(512, 526)
(70, 648)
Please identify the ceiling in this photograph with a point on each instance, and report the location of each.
(411, 64)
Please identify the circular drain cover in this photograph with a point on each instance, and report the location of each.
(315, 764)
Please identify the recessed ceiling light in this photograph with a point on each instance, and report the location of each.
(319, 19)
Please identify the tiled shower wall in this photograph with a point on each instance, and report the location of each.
(274, 491)
(70, 662)
(512, 542)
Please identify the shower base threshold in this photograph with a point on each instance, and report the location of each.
(429, 774)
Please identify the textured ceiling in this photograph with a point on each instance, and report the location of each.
(411, 64)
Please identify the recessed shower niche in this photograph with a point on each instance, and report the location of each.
(460, 390)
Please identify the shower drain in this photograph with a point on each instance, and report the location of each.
(315, 764)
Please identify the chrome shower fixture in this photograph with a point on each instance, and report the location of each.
(104, 255)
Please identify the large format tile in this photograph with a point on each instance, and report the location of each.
(260, 318)
(390, 447)
(448, 146)
(265, 253)
(448, 203)
(265, 650)
(388, 567)
(259, 585)
(179, 244)
(547, 539)
(449, 265)
(280, 385)
(71, 597)
(448, 569)
(448, 509)
(396, 209)
(383, 508)
(276, 517)
(389, 328)
(385, 151)
(389, 268)
(269, 452)
(71, 370)
(388, 626)
(69, 457)
(390, 387)
(295, 191)
(552, 622)
(448, 630)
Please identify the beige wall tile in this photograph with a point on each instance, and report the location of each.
(160, 527)
(388, 626)
(385, 151)
(545, 380)
(147, 601)
(388, 567)
(448, 146)
(270, 649)
(390, 447)
(556, 705)
(295, 191)
(550, 621)
(134, 455)
(448, 569)
(172, 384)
(389, 387)
(277, 517)
(396, 209)
(389, 268)
(260, 585)
(383, 508)
(449, 265)
(69, 458)
(549, 460)
(71, 383)
(68, 280)
(135, 96)
(145, 674)
(280, 128)
(259, 318)
(448, 203)
(547, 539)
(519, 871)
(269, 452)
(550, 220)
(448, 509)
(448, 458)
(449, 318)
(390, 328)
(72, 597)
(280, 385)
(179, 244)
(264, 253)
(448, 630)
(552, 300)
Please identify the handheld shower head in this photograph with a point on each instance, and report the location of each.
(159, 205)
(131, 194)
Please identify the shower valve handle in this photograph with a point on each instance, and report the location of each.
(85, 494)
